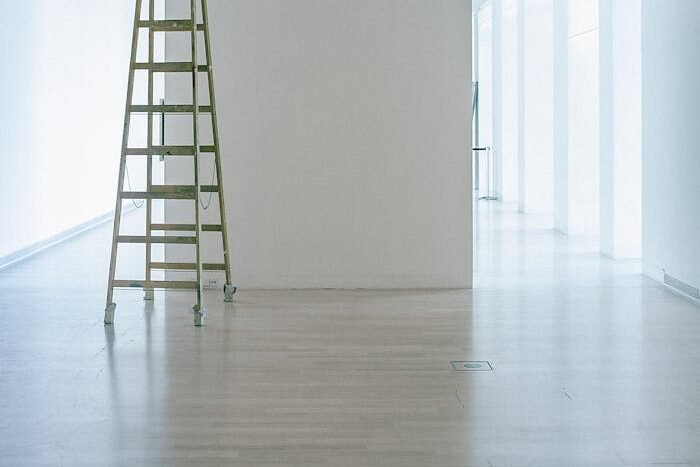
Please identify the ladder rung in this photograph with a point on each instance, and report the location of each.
(174, 266)
(188, 266)
(186, 227)
(168, 25)
(170, 67)
(169, 192)
(174, 227)
(168, 108)
(151, 195)
(163, 192)
(169, 150)
(156, 239)
(156, 284)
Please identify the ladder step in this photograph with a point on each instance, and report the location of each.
(170, 67)
(168, 108)
(174, 227)
(169, 192)
(188, 266)
(150, 195)
(169, 25)
(173, 266)
(142, 284)
(186, 227)
(169, 150)
(156, 239)
(163, 192)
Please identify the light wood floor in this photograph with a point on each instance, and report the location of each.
(594, 366)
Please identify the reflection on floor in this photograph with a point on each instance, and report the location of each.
(594, 365)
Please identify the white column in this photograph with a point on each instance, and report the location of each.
(497, 102)
(561, 115)
(536, 107)
(583, 163)
(620, 128)
(509, 101)
(486, 93)
(576, 147)
(520, 25)
(607, 139)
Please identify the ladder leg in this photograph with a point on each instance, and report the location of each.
(198, 310)
(110, 305)
(229, 288)
(229, 291)
(148, 293)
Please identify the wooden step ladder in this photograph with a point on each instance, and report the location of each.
(189, 234)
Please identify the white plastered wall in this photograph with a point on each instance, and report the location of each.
(345, 140)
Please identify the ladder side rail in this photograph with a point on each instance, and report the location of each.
(198, 310)
(217, 149)
(109, 308)
(148, 293)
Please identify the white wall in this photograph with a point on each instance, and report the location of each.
(346, 141)
(61, 114)
(671, 140)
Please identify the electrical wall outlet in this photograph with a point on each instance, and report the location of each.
(212, 283)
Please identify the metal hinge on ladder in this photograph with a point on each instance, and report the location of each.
(189, 234)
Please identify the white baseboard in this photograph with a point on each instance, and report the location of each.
(342, 282)
(35, 248)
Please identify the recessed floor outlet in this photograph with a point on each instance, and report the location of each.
(471, 365)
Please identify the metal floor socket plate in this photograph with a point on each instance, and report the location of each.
(471, 365)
